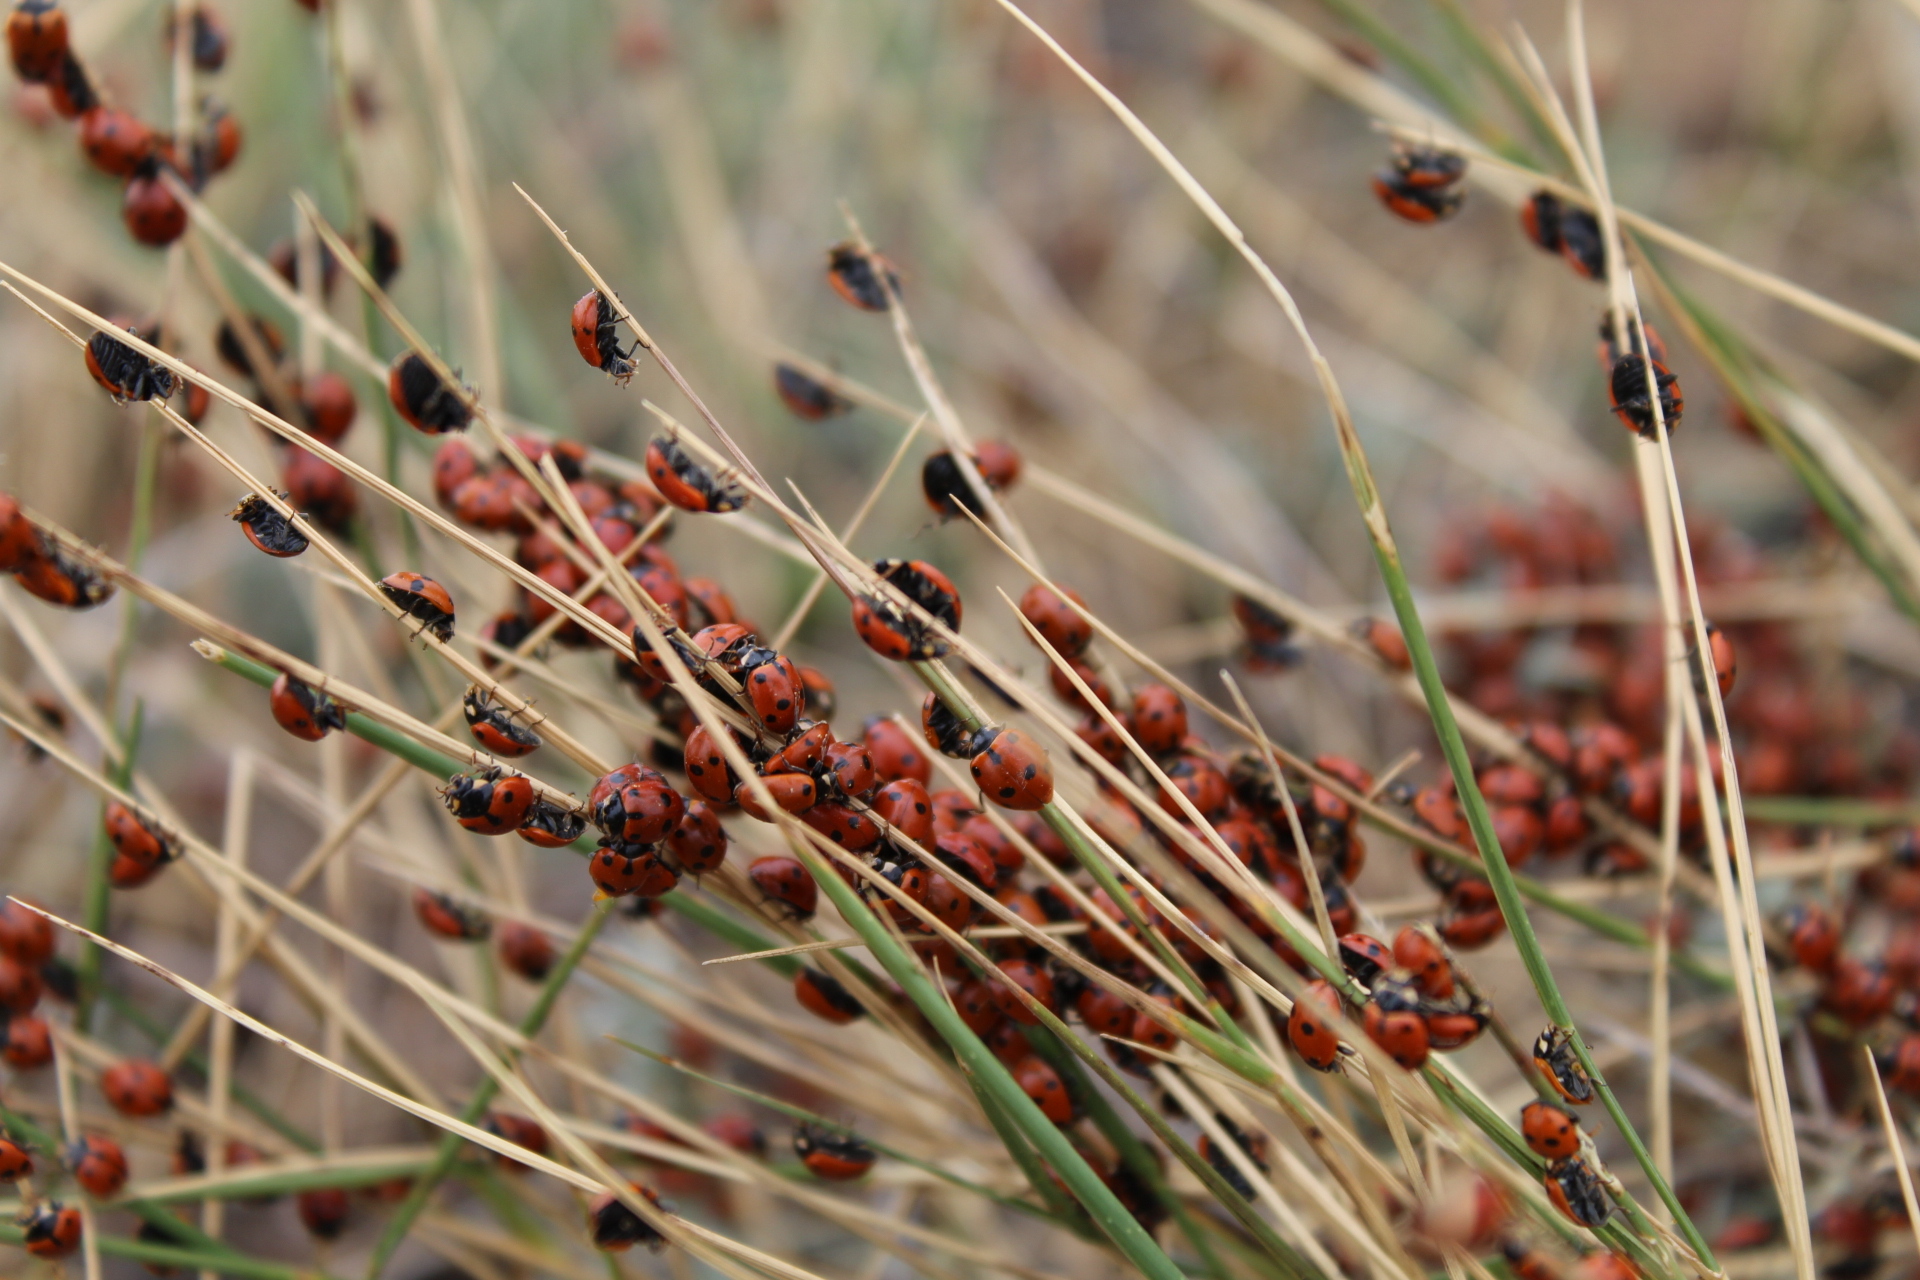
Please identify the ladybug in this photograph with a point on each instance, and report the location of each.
(15, 1163)
(944, 484)
(1720, 649)
(945, 734)
(1604, 1264)
(818, 688)
(384, 256)
(823, 996)
(1455, 1028)
(323, 1211)
(791, 792)
(526, 950)
(805, 397)
(427, 403)
(550, 826)
(894, 753)
(1553, 1055)
(1858, 994)
(320, 490)
(1310, 1030)
(134, 840)
(37, 39)
(893, 633)
(855, 275)
(738, 1132)
(709, 598)
(1013, 772)
(925, 585)
(596, 335)
(846, 827)
(1419, 950)
(153, 215)
(698, 842)
(1159, 719)
(304, 711)
(446, 917)
(1413, 201)
(489, 802)
(136, 1087)
(1526, 1262)
(783, 879)
(1902, 1066)
(330, 405)
(1812, 935)
(707, 769)
(116, 142)
(1269, 636)
(26, 1042)
(453, 465)
(1609, 349)
(1059, 624)
(98, 1164)
(418, 596)
(20, 986)
(1385, 640)
(1040, 1082)
(518, 1130)
(774, 688)
(493, 729)
(266, 528)
(1364, 957)
(1031, 978)
(837, 1157)
(1393, 1021)
(207, 38)
(69, 92)
(1581, 244)
(688, 484)
(1577, 1192)
(846, 770)
(60, 580)
(1550, 1130)
(126, 374)
(620, 870)
(20, 542)
(52, 1229)
(1627, 393)
(217, 147)
(616, 1228)
(1540, 219)
(25, 936)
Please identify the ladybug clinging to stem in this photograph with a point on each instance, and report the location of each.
(493, 729)
(490, 803)
(419, 395)
(686, 483)
(419, 596)
(1550, 1130)
(1553, 1054)
(302, 710)
(266, 528)
(856, 275)
(806, 397)
(596, 335)
(1422, 184)
(837, 1157)
(126, 373)
(37, 39)
(1627, 391)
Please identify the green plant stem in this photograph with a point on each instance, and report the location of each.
(98, 894)
(1831, 811)
(450, 1145)
(992, 1076)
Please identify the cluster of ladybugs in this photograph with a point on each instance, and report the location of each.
(1422, 184)
(117, 142)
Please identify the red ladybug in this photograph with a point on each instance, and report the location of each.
(69, 92)
(526, 950)
(453, 465)
(1393, 1021)
(837, 1157)
(20, 542)
(855, 275)
(1858, 994)
(320, 490)
(323, 1211)
(98, 1164)
(518, 1130)
(1058, 623)
(698, 842)
(1902, 1067)
(153, 215)
(37, 39)
(1627, 392)
(944, 484)
(116, 142)
(1551, 1131)
(1581, 244)
(1455, 1028)
(1422, 185)
(894, 753)
(493, 729)
(330, 405)
(1577, 1192)
(688, 484)
(846, 770)
(266, 528)
(784, 879)
(1105, 1012)
(1013, 772)
(906, 807)
(1364, 957)
(26, 937)
(489, 802)
(792, 792)
(621, 870)
(136, 1087)
(134, 840)
(1419, 950)
(126, 374)
(15, 1163)
(216, 147)
(1030, 978)
(1812, 936)
(420, 397)
(1310, 1029)
(774, 689)
(52, 1229)
(738, 1132)
(549, 826)
(446, 917)
(1385, 640)
(418, 596)
(20, 986)
(304, 711)
(946, 734)
(61, 580)
(26, 1042)
(805, 397)
(848, 828)
(893, 633)
(1040, 1082)
(1159, 718)
(1553, 1055)
(596, 335)
(925, 585)
(1720, 649)
(1540, 220)
(822, 995)
(616, 1228)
